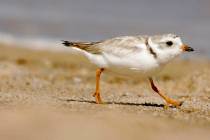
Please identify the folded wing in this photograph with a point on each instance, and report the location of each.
(119, 46)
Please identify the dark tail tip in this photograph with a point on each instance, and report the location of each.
(67, 43)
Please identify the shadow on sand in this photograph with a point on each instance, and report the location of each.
(118, 103)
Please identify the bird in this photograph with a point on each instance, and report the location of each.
(139, 55)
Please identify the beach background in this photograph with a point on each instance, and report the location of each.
(46, 89)
(92, 20)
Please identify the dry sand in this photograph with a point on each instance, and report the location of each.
(48, 96)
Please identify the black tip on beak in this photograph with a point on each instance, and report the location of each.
(187, 48)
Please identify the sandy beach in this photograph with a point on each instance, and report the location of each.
(48, 95)
(46, 89)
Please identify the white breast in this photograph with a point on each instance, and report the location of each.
(136, 63)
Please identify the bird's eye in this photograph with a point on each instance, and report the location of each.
(169, 43)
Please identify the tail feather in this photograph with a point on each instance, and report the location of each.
(67, 43)
(87, 46)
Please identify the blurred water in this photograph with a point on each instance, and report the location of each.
(92, 20)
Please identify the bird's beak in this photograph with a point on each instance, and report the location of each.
(186, 48)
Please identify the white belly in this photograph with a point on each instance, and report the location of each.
(128, 72)
(139, 64)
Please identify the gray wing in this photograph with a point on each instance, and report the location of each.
(121, 46)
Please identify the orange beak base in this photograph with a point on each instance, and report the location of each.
(186, 48)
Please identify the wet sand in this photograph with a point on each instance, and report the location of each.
(48, 95)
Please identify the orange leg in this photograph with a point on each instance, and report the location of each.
(168, 100)
(97, 92)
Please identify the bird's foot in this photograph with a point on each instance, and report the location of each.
(173, 103)
(98, 98)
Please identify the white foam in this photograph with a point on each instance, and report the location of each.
(33, 43)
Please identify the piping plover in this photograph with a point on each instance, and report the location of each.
(132, 55)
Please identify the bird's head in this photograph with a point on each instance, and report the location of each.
(167, 46)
